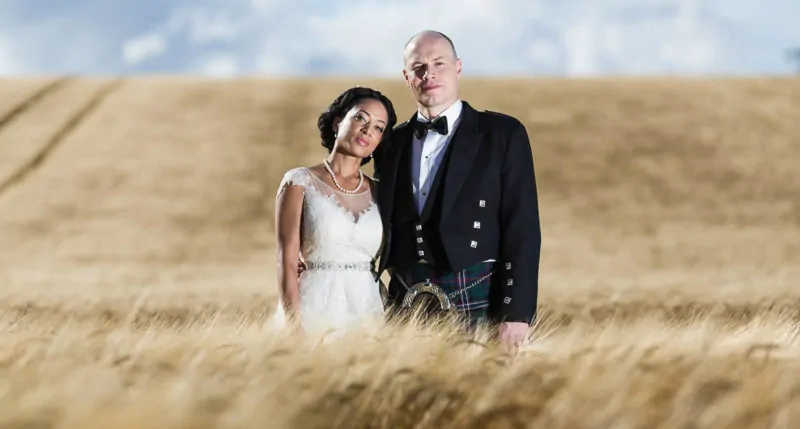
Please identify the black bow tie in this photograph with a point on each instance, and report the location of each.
(439, 125)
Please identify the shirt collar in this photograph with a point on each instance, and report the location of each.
(452, 114)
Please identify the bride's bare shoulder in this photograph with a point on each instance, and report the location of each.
(317, 170)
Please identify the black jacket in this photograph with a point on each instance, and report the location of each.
(490, 204)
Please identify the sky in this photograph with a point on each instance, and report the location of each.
(227, 38)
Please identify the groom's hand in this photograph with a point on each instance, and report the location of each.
(513, 333)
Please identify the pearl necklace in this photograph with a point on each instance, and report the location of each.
(336, 182)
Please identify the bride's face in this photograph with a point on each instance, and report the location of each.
(362, 128)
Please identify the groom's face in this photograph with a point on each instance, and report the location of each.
(432, 71)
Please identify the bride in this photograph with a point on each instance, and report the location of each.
(327, 216)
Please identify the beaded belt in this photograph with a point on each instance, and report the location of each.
(338, 266)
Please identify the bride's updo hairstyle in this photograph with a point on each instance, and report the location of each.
(342, 104)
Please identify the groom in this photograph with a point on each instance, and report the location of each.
(458, 199)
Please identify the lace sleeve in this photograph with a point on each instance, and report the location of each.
(296, 176)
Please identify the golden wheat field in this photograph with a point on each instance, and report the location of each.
(137, 262)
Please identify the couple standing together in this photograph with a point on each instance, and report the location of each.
(452, 208)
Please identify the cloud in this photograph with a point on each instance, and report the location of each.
(488, 37)
(50, 37)
(576, 37)
(188, 29)
(503, 37)
(203, 24)
(9, 64)
(365, 37)
(143, 47)
(668, 39)
(220, 65)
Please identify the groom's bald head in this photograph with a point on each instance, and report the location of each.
(427, 36)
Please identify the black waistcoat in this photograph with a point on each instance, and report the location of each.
(416, 237)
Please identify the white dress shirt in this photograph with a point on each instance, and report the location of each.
(426, 154)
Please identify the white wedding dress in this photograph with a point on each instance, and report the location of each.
(340, 236)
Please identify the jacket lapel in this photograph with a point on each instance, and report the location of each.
(401, 137)
(465, 145)
(388, 178)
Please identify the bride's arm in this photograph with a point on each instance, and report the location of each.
(288, 210)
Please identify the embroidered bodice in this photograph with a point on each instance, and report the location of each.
(336, 227)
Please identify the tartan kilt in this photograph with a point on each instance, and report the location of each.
(471, 303)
